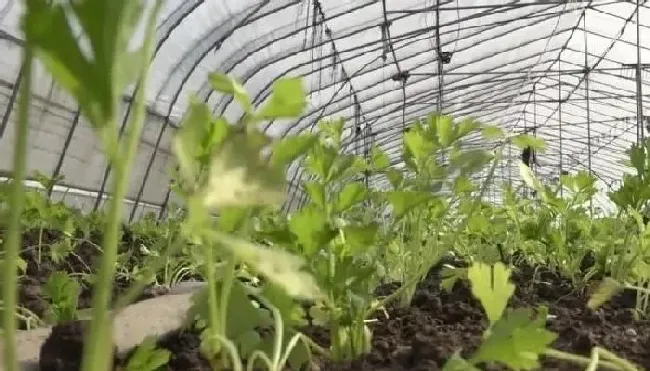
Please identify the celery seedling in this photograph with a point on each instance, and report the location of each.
(97, 81)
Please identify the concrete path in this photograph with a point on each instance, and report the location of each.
(153, 317)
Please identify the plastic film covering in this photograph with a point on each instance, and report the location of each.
(572, 73)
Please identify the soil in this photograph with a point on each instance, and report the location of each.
(438, 324)
(63, 349)
(81, 261)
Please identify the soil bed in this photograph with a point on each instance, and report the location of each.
(81, 261)
(423, 336)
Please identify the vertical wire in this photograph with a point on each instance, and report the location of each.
(587, 73)
(559, 111)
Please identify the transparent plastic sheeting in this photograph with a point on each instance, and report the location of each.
(519, 64)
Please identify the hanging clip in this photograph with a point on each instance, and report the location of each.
(445, 57)
(401, 76)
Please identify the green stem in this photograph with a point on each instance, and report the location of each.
(583, 361)
(213, 305)
(98, 350)
(622, 363)
(226, 289)
(16, 204)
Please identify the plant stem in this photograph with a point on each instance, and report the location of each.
(226, 288)
(97, 352)
(584, 361)
(16, 204)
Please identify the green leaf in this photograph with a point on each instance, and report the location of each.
(450, 275)
(147, 357)
(467, 126)
(232, 219)
(405, 201)
(63, 292)
(395, 178)
(462, 185)
(637, 159)
(471, 160)
(523, 141)
(321, 161)
(290, 148)
(416, 145)
(607, 289)
(529, 178)
(360, 237)
(240, 177)
(293, 314)
(312, 229)
(516, 341)
(332, 130)
(445, 130)
(228, 85)
(288, 100)
(316, 192)
(492, 132)
(456, 363)
(491, 286)
(59, 51)
(108, 27)
(380, 159)
(187, 142)
(280, 267)
(352, 194)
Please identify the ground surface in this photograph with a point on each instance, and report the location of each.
(78, 263)
(423, 336)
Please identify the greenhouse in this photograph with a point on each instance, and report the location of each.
(324, 185)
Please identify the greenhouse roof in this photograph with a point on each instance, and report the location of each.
(563, 71)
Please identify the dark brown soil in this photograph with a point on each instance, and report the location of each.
(438, 324)
(424, 335)
(63, 349)
(81, 261)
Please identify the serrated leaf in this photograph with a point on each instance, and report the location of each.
(445, 130)
(316, 192)
(290, 148)
(231, 86)
(456, 363)
(492, 287)
(147, 357)
(360, 237)
(523, 141)
(467, 126)
(395, 178)
(516, 340)
(492, 132)
(471, 160)
(312, 229)
(416, 145)
(352, 194)
(450, 275)
(380, 159)
(405, 201)
(288, 100)
(607, 289)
